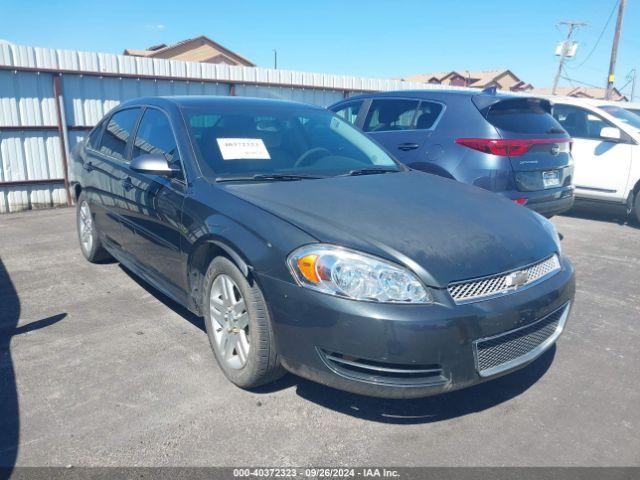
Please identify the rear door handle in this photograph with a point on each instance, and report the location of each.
(88, 166)
(126, 184)
(405, 147)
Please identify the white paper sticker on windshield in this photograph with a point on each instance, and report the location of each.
(243, 149)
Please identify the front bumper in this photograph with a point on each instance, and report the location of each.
(402, 351)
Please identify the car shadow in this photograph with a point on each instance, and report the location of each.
(602, 215)
(9, 408)
(412, 411)
(167, 301)
(429, 409)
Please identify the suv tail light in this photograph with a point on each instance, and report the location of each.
(506, 147)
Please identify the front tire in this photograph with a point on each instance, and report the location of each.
(88, 237)
(239, 327)
(636, 207)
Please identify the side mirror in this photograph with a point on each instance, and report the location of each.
(152, 164)
(610, 133)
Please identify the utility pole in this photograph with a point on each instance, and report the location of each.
(614, 51)
(566, 47)
(275, 59)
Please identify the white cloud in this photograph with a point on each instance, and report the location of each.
(155, 26)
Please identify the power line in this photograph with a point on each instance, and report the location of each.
(579, 81)
(599, 36)
(566, 77)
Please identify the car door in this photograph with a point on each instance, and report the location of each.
(402, 125)
(601, 165)
(105, 166)
(154, 224)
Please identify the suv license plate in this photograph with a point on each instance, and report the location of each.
(551, 178)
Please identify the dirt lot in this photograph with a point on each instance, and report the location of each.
(97, 368)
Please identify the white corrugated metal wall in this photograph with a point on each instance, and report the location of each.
(93, 83)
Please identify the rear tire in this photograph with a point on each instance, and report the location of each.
(239, 326)
(88, 237)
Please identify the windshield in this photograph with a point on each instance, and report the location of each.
(623, 115)
(245, 140)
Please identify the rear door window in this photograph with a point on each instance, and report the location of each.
(391, 115)
(523, 116)
(427, 115)
(118, 132)
(93, 142)
(349, 111)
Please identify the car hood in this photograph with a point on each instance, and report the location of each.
(443, 230)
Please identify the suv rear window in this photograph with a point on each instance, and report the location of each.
(522, 115)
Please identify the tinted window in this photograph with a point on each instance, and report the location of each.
(349, 111)
(427, 115)
(94, 137)
(116, 135)
(248, 139)
(578, 122)
(523, 115)
(389, 115)
(155, 136)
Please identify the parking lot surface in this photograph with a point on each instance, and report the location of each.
(97, 368)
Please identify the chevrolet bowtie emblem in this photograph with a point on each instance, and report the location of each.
(517, 279)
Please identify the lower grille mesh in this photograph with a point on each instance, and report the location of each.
(494, 352)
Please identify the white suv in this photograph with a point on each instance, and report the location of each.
(606, 151)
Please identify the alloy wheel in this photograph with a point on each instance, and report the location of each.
(230, 321)
(85, 226)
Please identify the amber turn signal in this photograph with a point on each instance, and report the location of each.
(307, 267)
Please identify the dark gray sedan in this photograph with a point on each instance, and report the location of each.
(306, 247)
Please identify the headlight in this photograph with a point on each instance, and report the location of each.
(551, 229)
(347, 273)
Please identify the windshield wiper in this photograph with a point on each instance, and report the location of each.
(369, 171)
(260, 177)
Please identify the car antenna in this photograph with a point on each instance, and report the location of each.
(490, 90)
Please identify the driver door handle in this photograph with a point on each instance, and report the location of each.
(405, 147)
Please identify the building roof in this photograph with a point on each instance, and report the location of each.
(584, 92)
(482, 78)
(162, 50)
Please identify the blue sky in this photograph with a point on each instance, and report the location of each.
(368, 38)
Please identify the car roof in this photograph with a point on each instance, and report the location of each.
(589, 102)
(435, 93)
(212, 100)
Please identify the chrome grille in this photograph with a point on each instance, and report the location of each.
(510, 349)
(503, 283)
